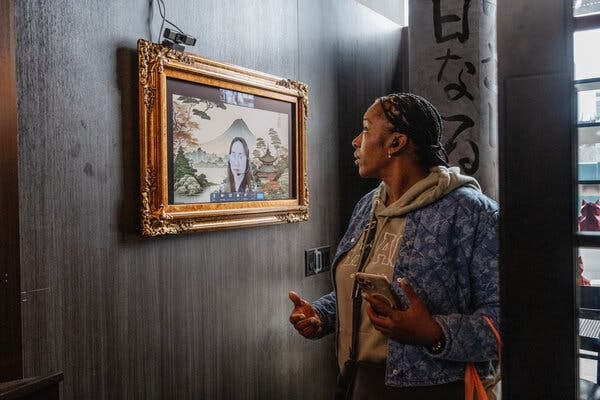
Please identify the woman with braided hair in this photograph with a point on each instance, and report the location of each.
(433, 234)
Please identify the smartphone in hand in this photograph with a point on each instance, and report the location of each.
(377, 286)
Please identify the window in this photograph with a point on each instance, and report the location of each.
(586, 7)
(586, 47)
(395, 12)
(587, 85)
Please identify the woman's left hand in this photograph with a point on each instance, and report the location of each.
(415, 325)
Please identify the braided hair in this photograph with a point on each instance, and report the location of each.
(418, 119)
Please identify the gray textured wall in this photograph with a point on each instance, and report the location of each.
(190, 316)
(369, 65)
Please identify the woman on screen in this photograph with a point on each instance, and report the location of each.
(239, 175)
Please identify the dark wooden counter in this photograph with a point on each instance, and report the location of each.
(38, 388)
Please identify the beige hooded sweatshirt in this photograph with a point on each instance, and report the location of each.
(391, 221)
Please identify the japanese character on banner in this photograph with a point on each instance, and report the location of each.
(460, 88)
(469, 166)
(439, 20)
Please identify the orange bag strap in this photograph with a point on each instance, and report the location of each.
(473, 384)
(497, 334)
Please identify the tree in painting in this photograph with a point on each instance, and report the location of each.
(186, 180)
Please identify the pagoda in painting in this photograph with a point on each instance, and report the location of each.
(267, 172)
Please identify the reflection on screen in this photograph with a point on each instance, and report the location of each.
(237, 98)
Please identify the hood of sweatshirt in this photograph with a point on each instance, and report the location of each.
(440, 181)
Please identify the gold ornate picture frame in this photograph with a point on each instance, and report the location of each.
(221, 146)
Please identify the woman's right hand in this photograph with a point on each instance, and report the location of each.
(304, 317)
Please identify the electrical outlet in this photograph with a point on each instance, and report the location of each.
(317, 260)
(310, 262)
(323, 259)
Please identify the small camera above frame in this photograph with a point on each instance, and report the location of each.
(177, 40)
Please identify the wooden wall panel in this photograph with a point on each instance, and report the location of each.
(10, 310)
(537, 199)
(536, 251)
(192, 316)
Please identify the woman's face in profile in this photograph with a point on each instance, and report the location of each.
(371, 144)
(237, 159)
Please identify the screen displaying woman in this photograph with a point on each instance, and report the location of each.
(239, 175)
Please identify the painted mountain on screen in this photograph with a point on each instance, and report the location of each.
(220, 144)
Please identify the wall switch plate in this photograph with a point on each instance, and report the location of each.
(317, 260)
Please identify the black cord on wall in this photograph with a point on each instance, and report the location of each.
(162, 9)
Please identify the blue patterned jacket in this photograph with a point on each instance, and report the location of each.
(449, 255)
